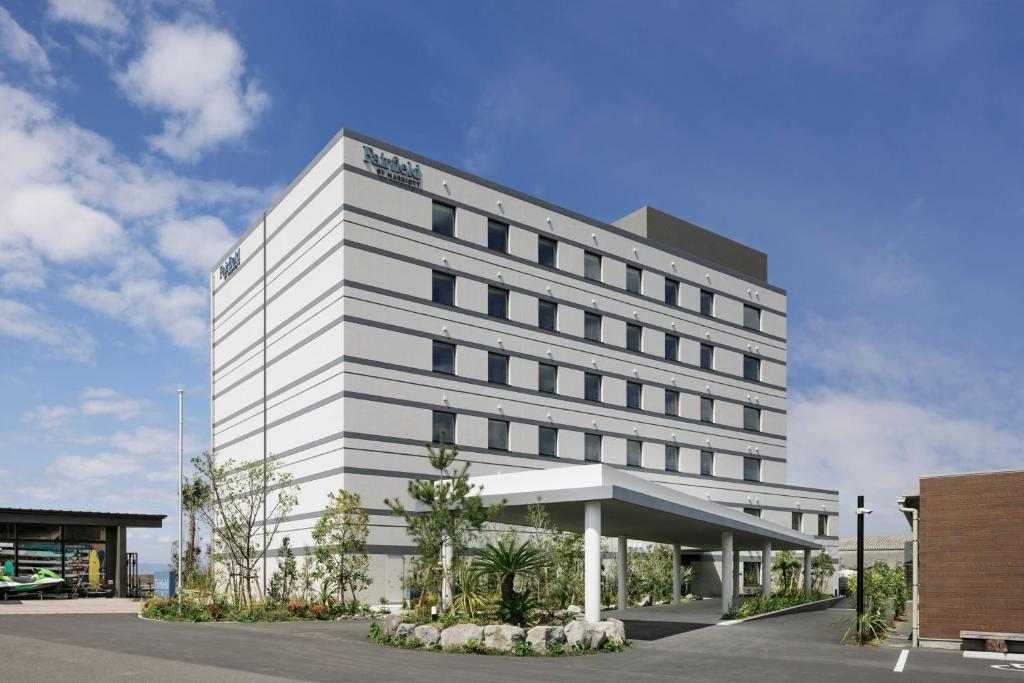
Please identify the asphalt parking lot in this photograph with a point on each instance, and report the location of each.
(799, 647)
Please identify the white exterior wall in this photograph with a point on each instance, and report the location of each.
(350, 322)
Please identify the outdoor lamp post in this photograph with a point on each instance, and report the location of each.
(181, 449)
(861, 511)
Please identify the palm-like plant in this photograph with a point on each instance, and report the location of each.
(469, 597)
(503, 561)
(686, 577)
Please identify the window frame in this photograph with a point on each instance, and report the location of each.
(634, 447)
(591, 316)
(672, 342)
(600, 385)
(504, 230)
(504, 426)
(634, 273)
(639, 331)
(542, 240)
(540, 441)
(752, 410)
(707, 350)
(440, 275)
(540, 306)
(638, 389)
(707, 400)
(757, 368)
(588, 439)
(433, 223)
(747, 460)
(434, 434)
(709, 296)
(433, 357)
(757, 312)
(822, 524)
(506, 361)
(711, 463)
(588, 258)
(753, 512)
(540, 374)
(673, 285)
(492, 289)
(671, 455)
(796, 521)
(674, 393)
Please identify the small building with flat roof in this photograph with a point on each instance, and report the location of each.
(90, 547)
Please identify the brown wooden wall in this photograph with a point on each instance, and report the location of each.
(972, 554)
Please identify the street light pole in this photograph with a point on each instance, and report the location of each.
(861, 511)
(181, 473)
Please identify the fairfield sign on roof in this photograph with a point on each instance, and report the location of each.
(393, 168)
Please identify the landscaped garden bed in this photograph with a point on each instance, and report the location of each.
(218, 609)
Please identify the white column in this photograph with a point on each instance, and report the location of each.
(677, 586)
(726, 571)
(807, 572)
(592, 561)
(446, 573)
(622, 573)
(735, 574)
(766, 569)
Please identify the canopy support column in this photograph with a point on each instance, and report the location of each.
(622, 572)
(807, 572)
(676, 581)
(766, 569)
(726, 571)
(592, 561)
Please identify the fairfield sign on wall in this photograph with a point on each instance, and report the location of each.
(393, 168)
(231, 264)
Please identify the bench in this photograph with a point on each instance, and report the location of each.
(992, 645)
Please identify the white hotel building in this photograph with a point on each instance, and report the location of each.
(386, 296)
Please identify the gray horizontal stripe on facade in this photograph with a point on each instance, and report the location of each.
(270, 271)
(534, 295)
(776, 508)
(284, 223)
(667, 248)
(582, 280)
(478, 413)
(461, 379)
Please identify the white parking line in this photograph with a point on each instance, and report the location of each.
(901, 662)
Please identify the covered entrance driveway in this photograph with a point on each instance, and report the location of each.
(599, 500)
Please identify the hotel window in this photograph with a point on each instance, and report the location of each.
(443, 427)
(547, 252)
(634, 333)
(672, 458)
(592, 326)
(444, 219)
(443, 289)
(752, 368)
(592, 266)
(707, 463)
(634, 279)
(497, 435)
(444, 358)
(671, 292)
(547, 378)
(707, 302)
(497, 368)
(752, 419)
(755, 512)
(592, 447)
(497, 236)
(497, 302)
(547, 441)
(591, 386)
(671, 347)
(751, 469)
(547, 315)
(634, 395)
(707, 356)
(634, 453)
(797, 521)
(823, 525)
(751, 317)
(707, 409)
(672, 402)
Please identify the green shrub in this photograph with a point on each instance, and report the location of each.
(761, 604)
(556, 649)
(523, 649)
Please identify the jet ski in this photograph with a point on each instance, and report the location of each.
(42, 580)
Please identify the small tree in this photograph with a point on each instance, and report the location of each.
(560, 580)
(245, 508)
(786, 568)
(340, 537)
(504, 561)
(452, 514)
(195, 495)
(284, 580)
(822, 570)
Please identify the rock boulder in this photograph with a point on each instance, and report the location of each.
(502, 637)
(428, 634)
(458, 636)
(541, 638)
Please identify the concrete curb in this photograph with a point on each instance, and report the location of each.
(806, 607)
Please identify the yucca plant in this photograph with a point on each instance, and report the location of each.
(469, 597)
(503, 561)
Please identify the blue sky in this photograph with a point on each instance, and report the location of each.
(873, 150)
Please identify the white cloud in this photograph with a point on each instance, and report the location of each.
(150, 305)
(49, 417)
(21, 321)
(52, 221)
(20, 45)
(98, 14)
(194, 244)
(194, 73)
(106, 401)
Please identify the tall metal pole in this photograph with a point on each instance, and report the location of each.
(181, 474)
(860, 567)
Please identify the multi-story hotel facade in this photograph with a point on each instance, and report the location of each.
(386, 298)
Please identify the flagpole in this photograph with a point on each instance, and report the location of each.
(181, 451)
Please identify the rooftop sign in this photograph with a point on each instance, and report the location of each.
(231, 264)
(393, 168)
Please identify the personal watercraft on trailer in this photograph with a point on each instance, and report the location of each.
(42, 580)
